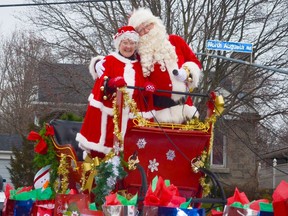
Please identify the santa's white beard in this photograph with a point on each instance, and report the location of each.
(154, 47)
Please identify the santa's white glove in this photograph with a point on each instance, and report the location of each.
(99, 68)
(180, 74)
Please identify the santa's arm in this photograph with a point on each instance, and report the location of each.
(192, 65)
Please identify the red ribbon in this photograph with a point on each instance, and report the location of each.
(49, 130)
(211, 102)
(41, 147)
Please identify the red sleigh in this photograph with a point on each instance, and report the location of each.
(174, 151)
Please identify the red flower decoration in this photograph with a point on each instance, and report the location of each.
(41, 147)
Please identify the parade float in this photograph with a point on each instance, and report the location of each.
(155, 168)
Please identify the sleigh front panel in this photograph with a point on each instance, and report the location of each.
(166, 153)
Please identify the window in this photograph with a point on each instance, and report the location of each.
(218, 154)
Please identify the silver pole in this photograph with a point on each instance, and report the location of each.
(274, 172)
(245, 62)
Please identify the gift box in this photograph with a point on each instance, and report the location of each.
(237, 211)
(89, 212)
(266, 209)
(162, 193)
(119, 210)
(68, 203)
(43, 208)
(8, 207)
(239, 204)
(280, 199)
(215, 212)
(16, 203)
(169, 211)
(23, 207)
(162, 199)
(118, 205)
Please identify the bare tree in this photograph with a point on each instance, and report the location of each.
(80, 31)
(83, 30)
(19, 60)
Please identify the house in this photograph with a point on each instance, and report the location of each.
(7, 142)
(62, 88)
(273, 168)
(233, 158)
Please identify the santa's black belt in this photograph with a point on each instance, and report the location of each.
(166, 102)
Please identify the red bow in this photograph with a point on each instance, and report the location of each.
(49, 130)
(41, 147)
(211, 102)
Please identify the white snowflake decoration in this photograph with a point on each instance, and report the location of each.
(141, 143)
(170, 155)
(153, 165)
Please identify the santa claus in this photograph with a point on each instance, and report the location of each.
(121, 68)
(169, 63)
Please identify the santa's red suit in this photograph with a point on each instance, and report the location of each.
(165, 79)
(160, 55)
(97, 131)
(175, 110)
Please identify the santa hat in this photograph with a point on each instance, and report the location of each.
(43, 171)
(125, 32)
(142, 15)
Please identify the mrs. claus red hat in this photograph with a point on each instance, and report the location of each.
(125, 32)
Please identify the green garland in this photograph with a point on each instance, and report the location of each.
(50, 158)
(108, 173)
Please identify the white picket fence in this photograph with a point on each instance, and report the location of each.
(270, 176)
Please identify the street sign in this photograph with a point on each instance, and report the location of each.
(229, 46)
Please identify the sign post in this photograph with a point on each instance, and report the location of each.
(230, 46)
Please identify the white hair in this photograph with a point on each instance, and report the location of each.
(155, 47)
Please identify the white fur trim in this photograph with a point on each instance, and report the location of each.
(176, 114)
(163, 115)
(122, 58)
(195, 72)
(92, 64)
(142, 15)
(99, 105)
(129, 77)
(131, 35)
(100, 146)
(104, 118)
(176, 85)
(146, 115)
(190, 112)
(88, 146)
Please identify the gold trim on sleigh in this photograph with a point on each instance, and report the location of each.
(193, 124)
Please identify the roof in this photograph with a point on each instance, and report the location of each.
(8, 141)
(64, 83)
(279, 153)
